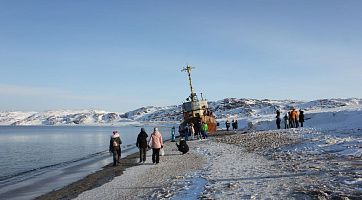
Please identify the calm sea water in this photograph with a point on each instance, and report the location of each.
(38, 159)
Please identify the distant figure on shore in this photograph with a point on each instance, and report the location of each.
(227, 124)
(293, 118)
(286, 121)
(115, 147)
(192, 131)
(301, 117)
(173, 134)
(278, 119)
(199, 129)
(204, 130)
(234, 124)
(181, 130)
(156, 143)
(142, 145)
(296, 119)
(187, 131)
(183, 147)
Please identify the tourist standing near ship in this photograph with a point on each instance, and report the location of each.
(301, 117)
(173, 134)
(227, 124)
(192, 131)
(235, 124)
(278, 119)
(205, 128)
(286, 121)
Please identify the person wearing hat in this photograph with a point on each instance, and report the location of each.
(156, 143)
(115, 147)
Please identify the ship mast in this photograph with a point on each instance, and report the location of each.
(188, 70)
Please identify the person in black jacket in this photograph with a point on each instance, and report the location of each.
(301, 117)
(278, 119)
(227, 124)
(142, 144)
(115, 147)
(183, 147)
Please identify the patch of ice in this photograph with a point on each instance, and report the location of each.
(353, 182)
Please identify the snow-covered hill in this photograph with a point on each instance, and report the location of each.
(151, 113)
(245, 110)
(64, 117)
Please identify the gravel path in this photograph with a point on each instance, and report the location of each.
(148, 180)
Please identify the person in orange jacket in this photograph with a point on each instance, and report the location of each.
(293, 117)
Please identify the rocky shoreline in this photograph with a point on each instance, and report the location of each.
(228, 165)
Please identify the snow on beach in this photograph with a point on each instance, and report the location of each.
(257, 165)
(322, 160)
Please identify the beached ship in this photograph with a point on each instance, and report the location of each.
(196, 110)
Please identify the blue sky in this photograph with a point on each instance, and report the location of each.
(122, 55)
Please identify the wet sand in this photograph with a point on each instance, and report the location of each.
(107, 174)
(138, 181)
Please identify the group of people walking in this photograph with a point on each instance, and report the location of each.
(155, 142)
(292, 119)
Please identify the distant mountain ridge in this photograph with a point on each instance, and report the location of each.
(225, 108)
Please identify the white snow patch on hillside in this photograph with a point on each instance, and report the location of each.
(260, 113)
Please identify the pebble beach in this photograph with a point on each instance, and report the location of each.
(228, 165)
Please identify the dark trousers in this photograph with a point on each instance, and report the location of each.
(186, 136)
(116, 156)
(155, 155)
(278, 123)
(286, 124)
(301, 124)
(143, 154)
